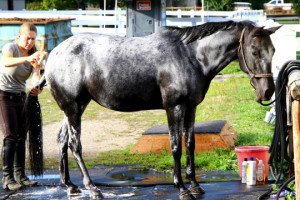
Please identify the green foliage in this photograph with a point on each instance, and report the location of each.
(258, 5)
(60, 4)
(275, 187)
(292, 186)
(234, 100)
(110, 4)
(71, 4)
(35, 5)
(164, 161)
(161, 161)
(220, 5)
(296, 6)
(290, 196)
(232, 68)
(226, 160)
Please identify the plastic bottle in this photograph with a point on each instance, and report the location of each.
(251, 172)
(260, 172)
(244, 171)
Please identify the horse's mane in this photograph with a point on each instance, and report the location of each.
(190, 34)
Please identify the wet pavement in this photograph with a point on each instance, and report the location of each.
(121, 182)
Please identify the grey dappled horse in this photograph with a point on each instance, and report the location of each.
(170, 70)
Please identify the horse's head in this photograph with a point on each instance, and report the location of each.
(255, 57)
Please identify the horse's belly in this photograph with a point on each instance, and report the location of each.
(131, 103)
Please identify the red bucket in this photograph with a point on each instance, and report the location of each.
(257, 152)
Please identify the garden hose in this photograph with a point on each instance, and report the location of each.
(284, 185)
(279, 146)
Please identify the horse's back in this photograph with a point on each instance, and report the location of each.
(119, 73)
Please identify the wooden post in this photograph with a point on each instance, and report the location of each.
(291, 152)
(296, 137)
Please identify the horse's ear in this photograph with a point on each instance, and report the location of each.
(258, 31)
(273, 29)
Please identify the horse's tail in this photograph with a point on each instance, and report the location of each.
(33, 117)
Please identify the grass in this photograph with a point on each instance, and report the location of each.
(293, 21)
(232, 100)
(232, 68)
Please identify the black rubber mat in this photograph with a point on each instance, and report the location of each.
(212, 127)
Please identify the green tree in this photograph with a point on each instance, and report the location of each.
(258, 5)
(220, 5)
(110, 4)
(34, 5)
(296, 6)
(71, 4)
(60, 4)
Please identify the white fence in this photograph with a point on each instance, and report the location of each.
(192, 18)
(113, 22)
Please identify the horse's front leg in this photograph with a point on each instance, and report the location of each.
(175, 122)
(75, 146)
(62, 140)
(189, 137)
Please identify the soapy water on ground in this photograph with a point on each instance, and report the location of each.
(60, 193)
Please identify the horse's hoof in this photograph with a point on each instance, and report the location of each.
(73, 190)
(95, 193)
(196, 190)
(186, 195)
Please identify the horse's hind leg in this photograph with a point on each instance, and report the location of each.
(62, 140)
(74, 130)
(189, 137)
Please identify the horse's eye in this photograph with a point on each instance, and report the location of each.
(254, 53)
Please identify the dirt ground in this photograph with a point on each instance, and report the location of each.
(96, 136)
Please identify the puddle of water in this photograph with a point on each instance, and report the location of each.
(165, 192)
(153, 177)
(83, 195)
(217, 176)
(115, 196)
(61, 193)
(44, 193)
(127, 176)
(112, 194)
(142, 176)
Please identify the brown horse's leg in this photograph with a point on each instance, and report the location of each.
(189, 137)
(175, 121)
(74, 129)
(62, 139)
